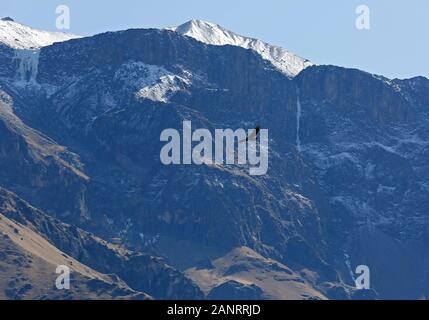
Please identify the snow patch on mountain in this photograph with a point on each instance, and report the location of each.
(152, 82)
(19, 36)
(210, 33)
(162, 90)
(298, 121)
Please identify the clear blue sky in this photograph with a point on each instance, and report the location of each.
(397, 45)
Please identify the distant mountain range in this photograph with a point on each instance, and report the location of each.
(82, 185)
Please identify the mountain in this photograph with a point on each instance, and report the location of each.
(80, 126)
(210, 33)
(35, 243)
(245, 274)
(20, 48)
(29, 263)
(19, 36)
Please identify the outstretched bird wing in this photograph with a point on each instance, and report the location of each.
(252, 135)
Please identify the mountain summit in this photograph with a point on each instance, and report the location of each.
(210, 33)
(19, 36)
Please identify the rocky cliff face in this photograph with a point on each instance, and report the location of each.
(347, 176)
(38, 168)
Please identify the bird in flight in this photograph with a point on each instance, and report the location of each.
(253, 135)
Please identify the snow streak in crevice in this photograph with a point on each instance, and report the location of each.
(298, 120)
(28, 64)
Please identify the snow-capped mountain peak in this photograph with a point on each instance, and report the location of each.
(210, 33)
(19, 36)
